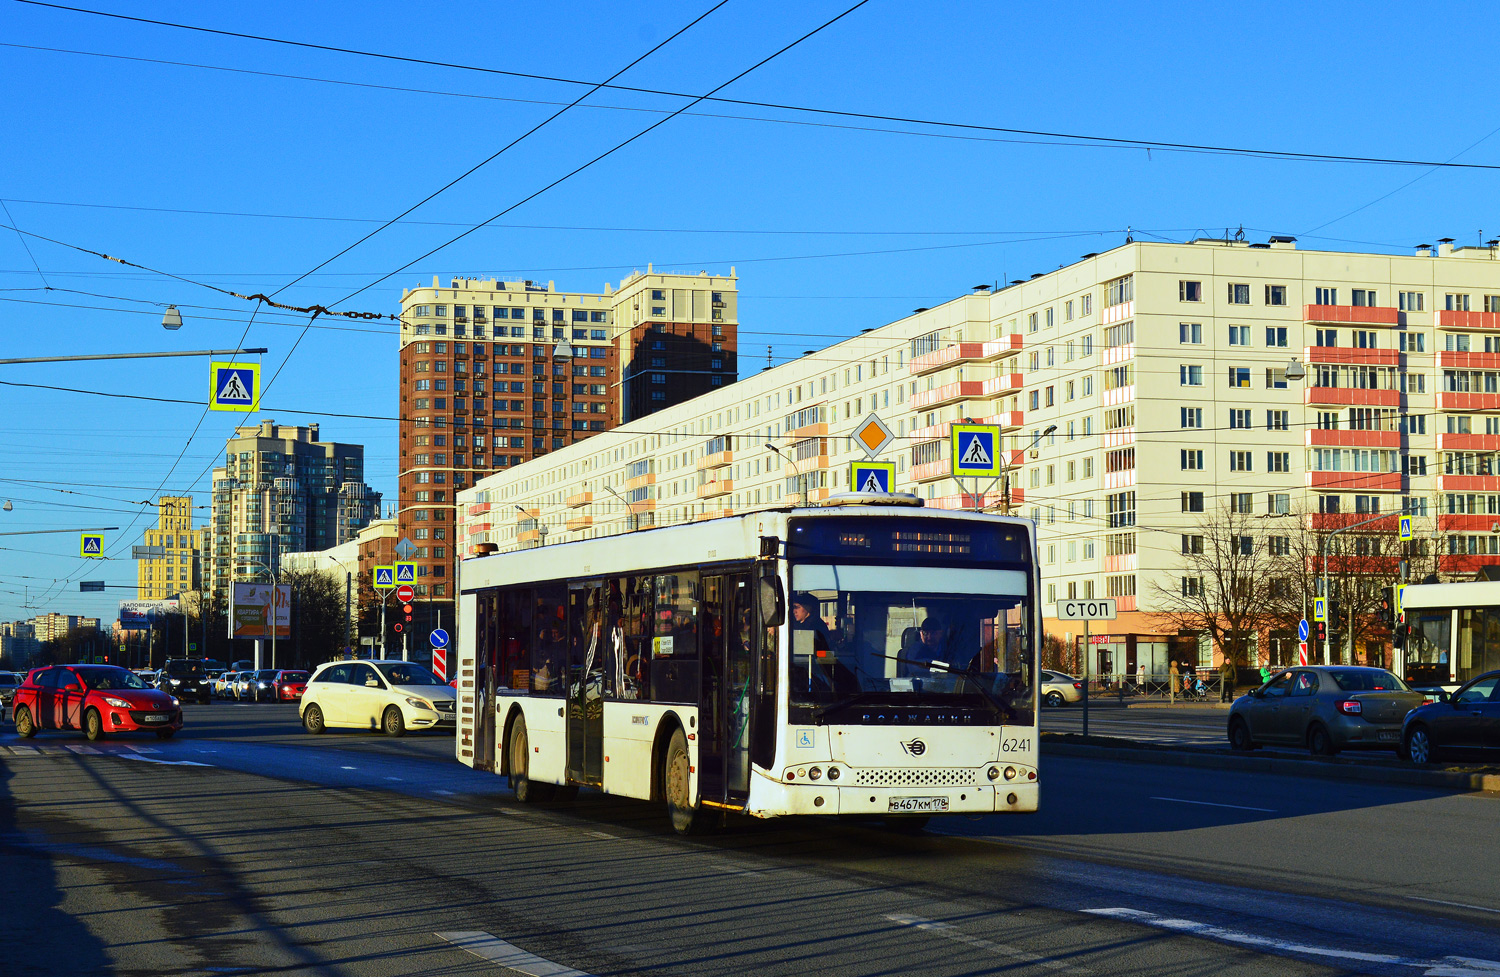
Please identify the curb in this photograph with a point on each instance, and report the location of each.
(1284, 766)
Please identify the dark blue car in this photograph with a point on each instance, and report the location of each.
(1468, 724)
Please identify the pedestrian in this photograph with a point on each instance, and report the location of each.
(1226, 680)
(1140, 678)
(1265, 675)
(1174, 675)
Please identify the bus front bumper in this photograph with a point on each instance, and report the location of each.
(774, 799)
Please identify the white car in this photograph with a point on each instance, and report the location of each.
(1060, 688)
(387, 695)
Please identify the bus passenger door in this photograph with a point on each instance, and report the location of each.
(487, 631)
(724, 705)
(585, 689)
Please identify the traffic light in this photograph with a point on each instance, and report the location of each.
(1387, 609)
(1322, 631)
(1335, 616)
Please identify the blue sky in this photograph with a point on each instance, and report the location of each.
(103, 153)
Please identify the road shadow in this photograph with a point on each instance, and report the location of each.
(41, 938)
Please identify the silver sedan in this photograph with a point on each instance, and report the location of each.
(1324, 708)
(1059, 688)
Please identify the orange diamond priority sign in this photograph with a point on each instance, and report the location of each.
(872, 435)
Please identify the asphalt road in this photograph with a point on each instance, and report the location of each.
(247, 846)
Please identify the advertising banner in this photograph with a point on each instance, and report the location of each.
(135, 615)
(249, 610)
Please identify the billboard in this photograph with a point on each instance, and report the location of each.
(136, 615)
(248, 607)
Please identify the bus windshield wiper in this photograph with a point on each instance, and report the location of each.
(970, 673)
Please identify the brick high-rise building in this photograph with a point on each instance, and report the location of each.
(496, 373)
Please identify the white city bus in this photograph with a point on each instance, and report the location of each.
(851, 658)
(1452, 633)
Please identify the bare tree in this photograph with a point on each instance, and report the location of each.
(1227, 574)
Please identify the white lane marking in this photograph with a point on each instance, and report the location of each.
(348, 768)
(1445, 967)
(169, 763)
(1460, 905)
(605, 835)
(1236, 807)
(396, 779)
(146, 749)
(24, 751)
(80, 749)
(504, 954)
(951, 932)
(445, 793)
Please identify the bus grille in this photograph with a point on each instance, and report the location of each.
(913, 777)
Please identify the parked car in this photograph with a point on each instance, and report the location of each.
(288, 686)
(1467, 724)
(1059, 688)
(1326, 708)
(9, 682)
(98, 699)
(392, 696)
(187, 678)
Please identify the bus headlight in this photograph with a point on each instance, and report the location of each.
(833, 773)
(1010, 773)
(816, 773)
(994, 773)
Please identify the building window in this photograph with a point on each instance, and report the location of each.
(1409, 301)
(1364, 297)
(1239, 376)
(1192, 416)
(1190, 332)
(1086, 304)
(1276, 295)
(1239, 335)
(1325, 296)
(1239, 461)
(1278, 461)
(1189, 291)
(1239, 294)
(1192, 544)
(1456, 302)
(1277, 420)
(1413, 342)
(1192, 460)
(1119, 291)
(1239, 419)
(1276, 337)
(1190, 376)
(1192, 501)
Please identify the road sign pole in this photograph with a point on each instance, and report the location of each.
(1087, 654)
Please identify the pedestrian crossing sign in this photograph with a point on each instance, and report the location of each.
(1405, 527)
(1320, 610)
(976, 449)
(385, 577)
(234, 386)
(91, 544)
(872, 476)
(406, 573)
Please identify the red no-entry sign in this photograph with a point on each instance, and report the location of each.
(404, 593)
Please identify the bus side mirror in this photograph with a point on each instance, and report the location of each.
(772, 601)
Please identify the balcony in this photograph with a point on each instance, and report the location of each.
(1368, 315)
(1468, 442)
(576, 523)
(1319, 438)
(1350, 397)
(949, 393)
(1453, 360)
(1467, 320)
(1007, 421)
(479, 508)
(716, 460)
(967, 500)
(1467, 522)
(1005, 383)
(527, 536)
(927, 471)
(578, 499)
(713, 490)
(1355, 481)
(526, 513)
(1328, 521)
(1468, 483)
(708, 514)
(963, 353)
(811, 463)
(640, 481)
(1451, 400)
(1313, 355)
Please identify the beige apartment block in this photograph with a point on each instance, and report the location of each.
(179, 569)
(1163, 369)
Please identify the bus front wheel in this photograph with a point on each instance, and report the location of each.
(677, 784)
(527, 791)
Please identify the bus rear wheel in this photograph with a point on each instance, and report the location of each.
(527, 791)
(677, 786)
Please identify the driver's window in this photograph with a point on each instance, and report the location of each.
(1481, 691)
(364, 675)
(1305, 683)
(1279, 686)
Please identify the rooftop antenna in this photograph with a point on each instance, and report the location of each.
(1129, 238)
(769, 361)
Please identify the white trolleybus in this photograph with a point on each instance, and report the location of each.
(1452, 633)
(852, 658)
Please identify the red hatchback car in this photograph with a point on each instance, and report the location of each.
(97, 699)
(288, 686)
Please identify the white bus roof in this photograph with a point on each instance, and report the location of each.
(724, 539)
(1480, 593)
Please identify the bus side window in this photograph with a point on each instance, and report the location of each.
(549, 641)
(674, 642)
(629, 665)
(513, 632)
(763, 731)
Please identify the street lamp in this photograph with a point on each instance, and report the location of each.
(541, 527)
(629, 509)
(1295, 370)
(172, 320)
(784, 462)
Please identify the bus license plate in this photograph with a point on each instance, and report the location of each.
(917, 805)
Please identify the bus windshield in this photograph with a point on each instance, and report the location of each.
(859, 635)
